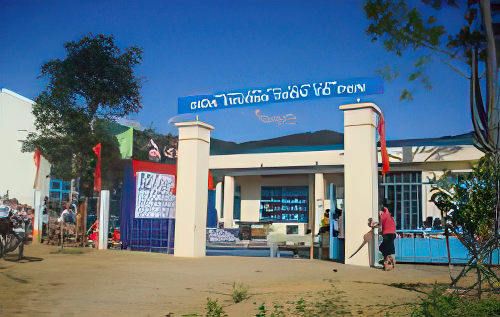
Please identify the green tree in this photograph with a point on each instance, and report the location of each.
(474, 202)
(469, 206)
(95, 83)
(403, 28)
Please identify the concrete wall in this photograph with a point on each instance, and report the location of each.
(17, 172)
(250, 197)
(285, 159)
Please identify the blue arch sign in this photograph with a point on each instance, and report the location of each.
(262, 96)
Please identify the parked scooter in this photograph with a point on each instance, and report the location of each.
(15, 231)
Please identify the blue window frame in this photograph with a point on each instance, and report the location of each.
(402, 195)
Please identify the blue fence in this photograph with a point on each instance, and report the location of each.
(431, 248)
(153, 235)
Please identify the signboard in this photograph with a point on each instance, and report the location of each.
(154, 196)
(222, 235)
(263, 96)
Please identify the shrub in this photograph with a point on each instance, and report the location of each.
(437, 304)
(213, 309)
(239, 292)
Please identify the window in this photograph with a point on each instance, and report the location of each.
(66, 186)
(292, 229)
(284, 204)
(401, 193)
(237, 203)
(56, 185)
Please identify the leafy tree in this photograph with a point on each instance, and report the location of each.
(469, 207)
(475, 203)
(404, 28)
(93, 84)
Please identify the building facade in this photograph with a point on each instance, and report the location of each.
(291, 186)
(17, 169)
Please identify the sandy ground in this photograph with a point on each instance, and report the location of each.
(125, 283)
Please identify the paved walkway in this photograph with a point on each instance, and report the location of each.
(126, 283)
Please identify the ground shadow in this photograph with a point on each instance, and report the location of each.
(14, 257)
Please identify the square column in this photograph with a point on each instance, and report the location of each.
(218, 201)
(192, 189)
(319, 199)
(37, 223)
(104, 220)
(228, 201)
(361, 179)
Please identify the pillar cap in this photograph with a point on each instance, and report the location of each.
(194, 123)
(362, 105)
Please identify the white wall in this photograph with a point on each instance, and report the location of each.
(17, 172)
(283, 159)
(250, 197)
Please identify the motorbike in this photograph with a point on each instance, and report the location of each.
(15, 231)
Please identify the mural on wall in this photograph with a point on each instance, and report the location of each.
(170, 150)
(154, 153)
(154, 147)
(288, 119)
(154, 196)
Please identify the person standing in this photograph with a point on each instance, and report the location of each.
(388, 236)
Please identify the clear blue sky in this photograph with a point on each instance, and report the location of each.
(205, 47)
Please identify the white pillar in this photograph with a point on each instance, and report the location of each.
(37, 222)
(218, 200)
(361, 178)
(192, 189)
(228, 201)
(319, 197)
(312, 203)
(104, 220)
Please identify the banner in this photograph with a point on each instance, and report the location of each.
(36, 159)
(97, 174)
(126, 143)
(222, 235)
(262, 96)
(155, 195)
(383, 146)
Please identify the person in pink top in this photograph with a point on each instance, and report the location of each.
(389, 235)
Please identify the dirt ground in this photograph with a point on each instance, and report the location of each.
(125, 283)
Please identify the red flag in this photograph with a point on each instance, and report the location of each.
(97, 175)
(37, 158)
(383, 147)
(210, 181)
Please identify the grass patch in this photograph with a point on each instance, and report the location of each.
(327, 303)
(68, 251)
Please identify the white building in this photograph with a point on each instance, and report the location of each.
(17, 169)
(292, 184)
(247, 172)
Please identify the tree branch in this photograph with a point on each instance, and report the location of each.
(452, 67)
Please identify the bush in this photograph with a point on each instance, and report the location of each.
(239, 293)
(213, 309)
(437, 304)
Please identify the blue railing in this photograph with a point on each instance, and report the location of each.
(422, 246)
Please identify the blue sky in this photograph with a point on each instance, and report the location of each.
(205, 47)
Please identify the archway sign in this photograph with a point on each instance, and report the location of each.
(275, 94)
(360, 159)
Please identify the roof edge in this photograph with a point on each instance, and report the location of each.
(18, 96)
